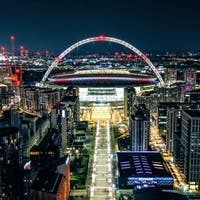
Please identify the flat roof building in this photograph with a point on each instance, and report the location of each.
(53, 181)
(142, 169)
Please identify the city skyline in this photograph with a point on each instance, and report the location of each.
(68, 130)
(99, 100)
(150, 26)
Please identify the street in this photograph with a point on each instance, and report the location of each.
(101, 187)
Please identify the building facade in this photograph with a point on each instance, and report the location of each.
(129, 98)
(11, 185)
(39, 100)
(53, 181)
(190, 138)
(139, 131)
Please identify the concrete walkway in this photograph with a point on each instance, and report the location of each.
(102, 171)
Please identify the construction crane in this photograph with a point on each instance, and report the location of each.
(14, 74)
(21, 51)
(6, 72)
(12, 39)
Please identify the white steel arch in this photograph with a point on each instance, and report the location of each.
(103, 39)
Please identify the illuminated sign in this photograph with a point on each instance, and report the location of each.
(63, 114)
(101, 95)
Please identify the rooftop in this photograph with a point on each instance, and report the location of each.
(70, 98)
(40, 121)
(50, 142)
(8, 131)
(142, 164)
(139, 115)
(47, 182)
(193, 113)
(152, 194)
(4, 123)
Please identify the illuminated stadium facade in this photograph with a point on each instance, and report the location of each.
(102, 77)
(102, 39)
(143, 169)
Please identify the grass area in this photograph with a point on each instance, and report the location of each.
(116, 132)
(79, 168)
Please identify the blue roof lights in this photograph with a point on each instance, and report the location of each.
(141, 164)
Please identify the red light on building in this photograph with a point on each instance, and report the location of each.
(37, 53)
(129, 56)
(13, 78)
(17, 83)
(17, 76)
(95, 55)
(122, 54)
(46, 52)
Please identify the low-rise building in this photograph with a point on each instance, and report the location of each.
(143, 169)
(53, 181)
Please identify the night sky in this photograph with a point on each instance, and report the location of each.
(150, 25)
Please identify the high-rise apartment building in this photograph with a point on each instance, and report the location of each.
(190, 138)
(10, 164)
(63, 120)
(39, 100)
(139, 131)
(171, 128)
(129, 98)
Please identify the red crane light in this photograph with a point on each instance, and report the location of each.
(37, 53)
(12, 38)
(21, 51)
(129, 55)
(13, 78)
(3, 49)
(26, 52)
(46, 52)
